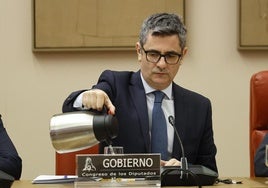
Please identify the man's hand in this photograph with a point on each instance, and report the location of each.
(96, 99)
(171, 162)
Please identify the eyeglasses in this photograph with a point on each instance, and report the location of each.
(154, 56)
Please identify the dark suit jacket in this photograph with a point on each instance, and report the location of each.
(259, 161)
(10, 162)
(193, 117)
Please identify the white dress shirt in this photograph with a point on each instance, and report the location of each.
(168, 109)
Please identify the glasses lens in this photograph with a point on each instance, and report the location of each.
(172, 58)
(153, 56)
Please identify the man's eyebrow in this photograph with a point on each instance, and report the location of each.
(153, 50)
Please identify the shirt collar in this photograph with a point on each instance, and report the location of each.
(148, 89)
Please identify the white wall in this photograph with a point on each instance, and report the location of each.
(33, 86)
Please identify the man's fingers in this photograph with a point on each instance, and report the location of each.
(85, 100)
(89, 99)
(96, 99)
(100, 101)
(173, 162)
(109, 105)
(163, 163)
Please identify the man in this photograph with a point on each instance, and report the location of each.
(10, 162)
(260, 159)
(130, 97)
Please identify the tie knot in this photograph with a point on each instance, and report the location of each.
(159, 95)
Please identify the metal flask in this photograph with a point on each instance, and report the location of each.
(74, 131)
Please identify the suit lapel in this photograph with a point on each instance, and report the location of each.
(137, 94)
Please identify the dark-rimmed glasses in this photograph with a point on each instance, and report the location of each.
(154, 56)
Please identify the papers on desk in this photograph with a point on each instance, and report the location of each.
(46, 179)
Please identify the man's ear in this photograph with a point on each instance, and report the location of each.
(138, 49)
(184, 52)
(139, 57)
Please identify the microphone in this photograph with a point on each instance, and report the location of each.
(184, 164)
(199, 175)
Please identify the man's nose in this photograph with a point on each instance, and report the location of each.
(162, 61)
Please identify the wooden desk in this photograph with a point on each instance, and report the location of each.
(247, 183)
(28, 184)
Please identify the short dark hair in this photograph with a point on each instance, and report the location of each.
(163, 24)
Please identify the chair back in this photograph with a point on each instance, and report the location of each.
(66, 162)
(258, 113)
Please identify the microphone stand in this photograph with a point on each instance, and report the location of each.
(184, 163)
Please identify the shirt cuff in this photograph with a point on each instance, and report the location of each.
(78, 102)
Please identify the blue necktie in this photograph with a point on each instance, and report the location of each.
(159, 127)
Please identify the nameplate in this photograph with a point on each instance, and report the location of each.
(119, 165)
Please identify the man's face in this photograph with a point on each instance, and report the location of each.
(159, 75)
